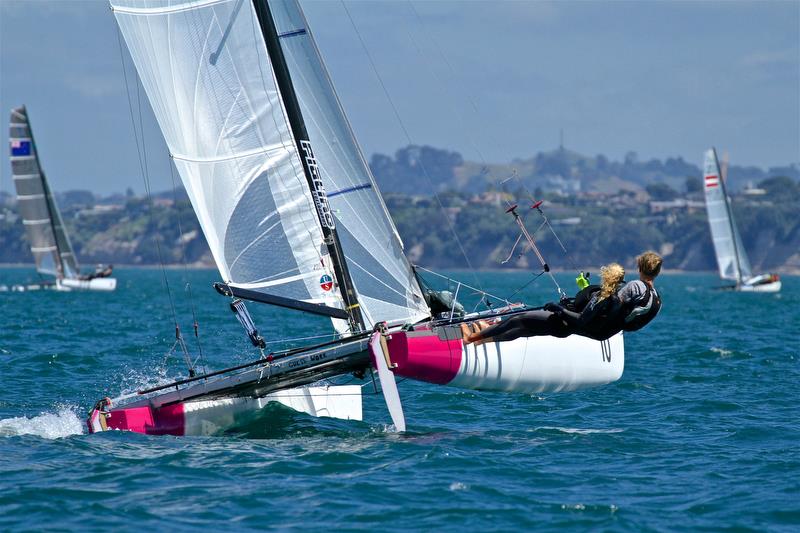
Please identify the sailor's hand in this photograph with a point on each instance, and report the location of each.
(553, 307)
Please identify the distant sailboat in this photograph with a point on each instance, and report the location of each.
(44, 226)
(293, 218)
(731, 255)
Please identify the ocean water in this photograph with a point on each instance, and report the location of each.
(701, 433)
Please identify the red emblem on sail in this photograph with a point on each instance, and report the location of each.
(326, 282)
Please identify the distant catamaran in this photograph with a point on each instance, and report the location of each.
(44, 227)
(293, 218)
(731, 255)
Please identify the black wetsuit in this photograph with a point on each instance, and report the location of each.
(541, 321)
(582, 315)
(528, 324)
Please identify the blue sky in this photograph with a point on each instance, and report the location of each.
(659, 78)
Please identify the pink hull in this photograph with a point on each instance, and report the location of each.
(166, 420)
(424, 356)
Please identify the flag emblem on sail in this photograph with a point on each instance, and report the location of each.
(20, 148)
(712, 181)
(326, 282)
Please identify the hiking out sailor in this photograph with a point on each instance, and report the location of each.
(598, 311)
(641, 302)
(100, 271)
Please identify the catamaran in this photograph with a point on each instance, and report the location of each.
(44, 227)
(293, 217)
(731, 256)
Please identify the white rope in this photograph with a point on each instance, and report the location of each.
(327, 335)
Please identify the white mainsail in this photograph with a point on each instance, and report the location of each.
(44, 227)
(731, 257)
(205, 69)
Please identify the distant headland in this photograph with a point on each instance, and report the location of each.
(602, 210)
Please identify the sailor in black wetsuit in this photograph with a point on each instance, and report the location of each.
(597, 312)
(640, 300)
(630, 308)
(99, 272)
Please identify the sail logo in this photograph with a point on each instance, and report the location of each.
(317, 188)
(326, 282)
(711, 180)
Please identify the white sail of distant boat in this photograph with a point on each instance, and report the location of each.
(731, 255)
(44, 227)
(293, 218)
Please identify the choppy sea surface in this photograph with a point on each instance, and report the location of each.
(701, 433)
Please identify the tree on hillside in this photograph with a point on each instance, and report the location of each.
(661, 192)
(781, 189)
(693, 184)
(415, 169)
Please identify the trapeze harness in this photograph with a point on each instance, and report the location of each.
(641, 310)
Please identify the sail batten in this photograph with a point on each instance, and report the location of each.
(166, 9)
(276, 149)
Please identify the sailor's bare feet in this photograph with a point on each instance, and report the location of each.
(466, 333)
(471, 332)
(482, 324)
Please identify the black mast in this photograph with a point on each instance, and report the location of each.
(730, 219)
(310, 168)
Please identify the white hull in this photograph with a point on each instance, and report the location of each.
(96, 284)
(29, 287)
(775, 286)
(212, 417)
(527, 365)
(541, 364)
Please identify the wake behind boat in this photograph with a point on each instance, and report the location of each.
(44, 227)
(294, 219)
(731, 256)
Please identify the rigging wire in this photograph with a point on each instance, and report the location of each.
(451, 280)
(195, 323)
(523, 287)
(545, 221)
(485, 169)
(473, 105)
(410, 142)
(142, 155)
